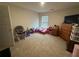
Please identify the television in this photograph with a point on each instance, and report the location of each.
(71, 19)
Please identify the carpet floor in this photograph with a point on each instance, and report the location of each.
(39, 45)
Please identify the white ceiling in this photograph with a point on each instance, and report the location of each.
(48, 7)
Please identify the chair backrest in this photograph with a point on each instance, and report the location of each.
(19, 29)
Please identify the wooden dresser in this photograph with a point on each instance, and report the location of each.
(65, 31)
(55, 30)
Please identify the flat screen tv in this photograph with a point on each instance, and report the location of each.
(71, 19)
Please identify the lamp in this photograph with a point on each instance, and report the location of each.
(42, 3)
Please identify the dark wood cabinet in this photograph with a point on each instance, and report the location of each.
(74, 38)
(70, 45)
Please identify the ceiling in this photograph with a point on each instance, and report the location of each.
(48, 6)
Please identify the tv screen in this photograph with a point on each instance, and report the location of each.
(71, 19)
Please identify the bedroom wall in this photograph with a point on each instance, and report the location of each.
(20, 16)
(6, 37)
(28, 18)
(57, 18)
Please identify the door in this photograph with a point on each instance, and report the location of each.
(6, 39)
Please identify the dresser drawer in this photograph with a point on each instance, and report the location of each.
(66, 32)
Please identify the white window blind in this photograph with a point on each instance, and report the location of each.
(44, 22)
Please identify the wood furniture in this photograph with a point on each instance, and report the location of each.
(55, 30)
(65, 31)
(74, 38)
(70, 45)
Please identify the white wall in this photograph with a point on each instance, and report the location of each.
(20, 16)
(27, 18)
(6, 38)
(57, 18)
(15, 16)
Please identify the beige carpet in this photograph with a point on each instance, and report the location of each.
(40, 45)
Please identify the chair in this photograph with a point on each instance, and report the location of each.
(19, 33)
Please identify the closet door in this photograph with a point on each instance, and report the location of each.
(6, 39)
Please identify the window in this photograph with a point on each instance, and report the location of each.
(44, 22)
